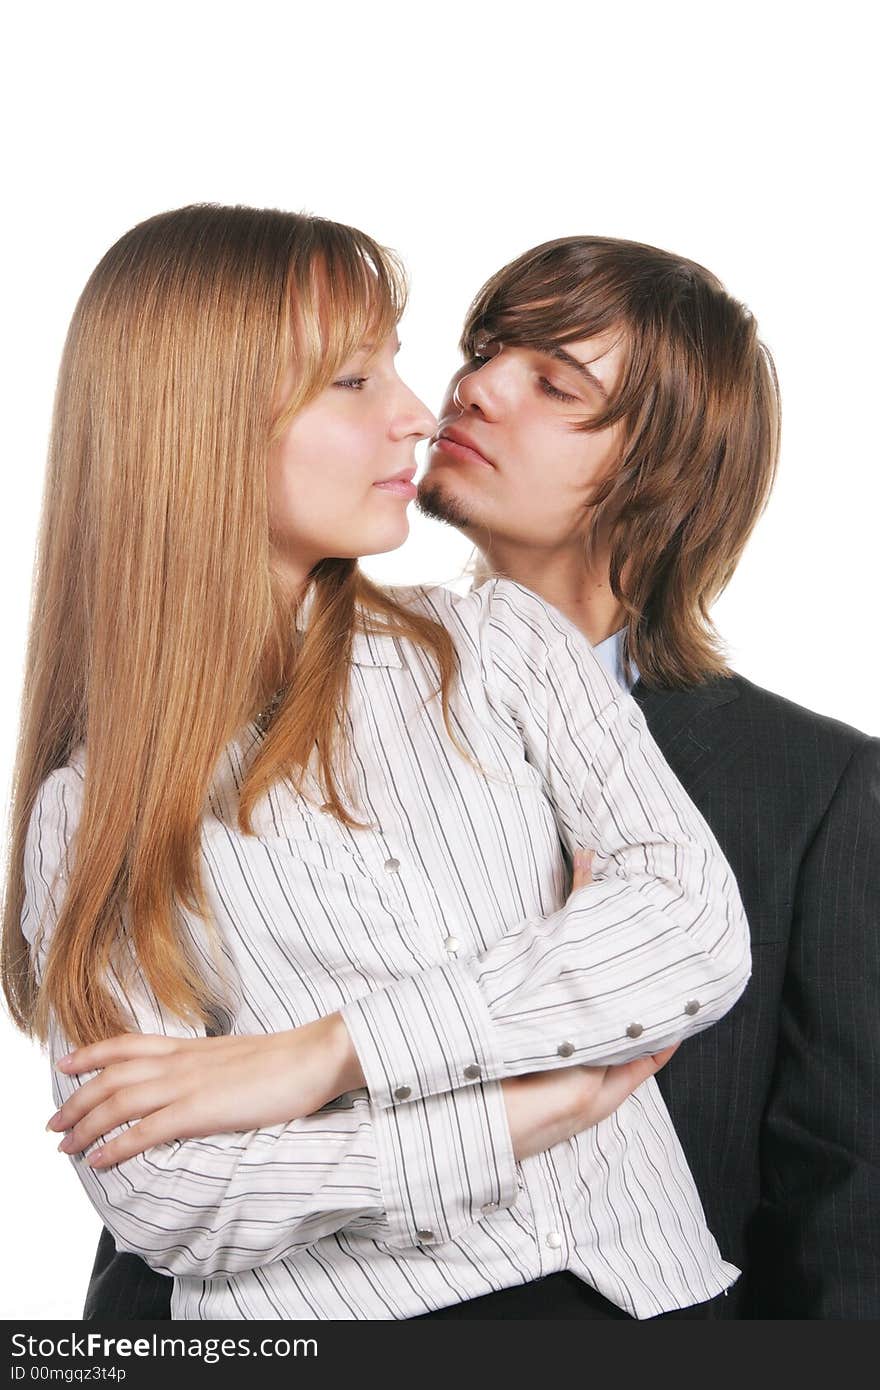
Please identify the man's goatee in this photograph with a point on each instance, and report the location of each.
(432, 501)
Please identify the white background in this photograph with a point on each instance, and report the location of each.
(460, 136)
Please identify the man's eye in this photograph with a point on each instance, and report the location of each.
(352, 383)
(550, 390)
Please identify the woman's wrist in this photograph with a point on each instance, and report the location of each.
(542, 1110)
(344, 1072)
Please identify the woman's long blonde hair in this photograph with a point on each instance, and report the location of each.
(158, 625)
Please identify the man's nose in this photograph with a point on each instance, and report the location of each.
(450, 402)
(481, 390)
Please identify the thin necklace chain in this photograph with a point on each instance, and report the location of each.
(264, 718)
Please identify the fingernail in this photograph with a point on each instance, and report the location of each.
(66, 1145)
(52, 1122)
(95, 1159)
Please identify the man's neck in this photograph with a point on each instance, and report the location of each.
(585, 599)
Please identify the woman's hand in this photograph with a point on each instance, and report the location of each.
(545, 1108)
(182, 1088)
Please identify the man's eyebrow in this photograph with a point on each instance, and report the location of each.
(551, 350)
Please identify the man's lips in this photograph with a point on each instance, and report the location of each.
(456, 442)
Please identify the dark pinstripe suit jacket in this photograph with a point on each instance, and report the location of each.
(777, 1105)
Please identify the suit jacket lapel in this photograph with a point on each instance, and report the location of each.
(681, 724)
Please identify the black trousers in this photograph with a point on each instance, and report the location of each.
(560, 1295)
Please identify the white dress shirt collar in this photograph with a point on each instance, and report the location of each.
(610, 653)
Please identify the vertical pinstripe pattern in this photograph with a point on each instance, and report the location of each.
(444, 935)
(777, 1108)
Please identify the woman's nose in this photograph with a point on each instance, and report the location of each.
(416, 418)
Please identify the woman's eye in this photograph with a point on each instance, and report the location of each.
(550, 390)
(352, 383)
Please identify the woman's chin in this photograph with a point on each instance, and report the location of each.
(377, 543)
(390, 538)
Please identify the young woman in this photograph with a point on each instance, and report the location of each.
(287, 871)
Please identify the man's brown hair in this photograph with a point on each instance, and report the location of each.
(699, 401)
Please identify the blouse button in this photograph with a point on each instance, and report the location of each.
(692, 1006)
(472, 1071)
(403, 1093)
(392, 865)
(451, 944)
(565, 1049)
(635, 1030)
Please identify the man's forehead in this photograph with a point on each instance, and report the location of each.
(587, 346)
(599, 345)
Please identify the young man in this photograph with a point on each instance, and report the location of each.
(610, 443)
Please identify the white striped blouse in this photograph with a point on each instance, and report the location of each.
(445, 935)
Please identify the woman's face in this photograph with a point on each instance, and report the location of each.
(340, 477)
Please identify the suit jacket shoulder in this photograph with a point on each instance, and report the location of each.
(777, 709)
(733, 742)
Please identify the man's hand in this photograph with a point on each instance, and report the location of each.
(545, 1108)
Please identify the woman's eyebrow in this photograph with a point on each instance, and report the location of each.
(551, 350)
(371, 347)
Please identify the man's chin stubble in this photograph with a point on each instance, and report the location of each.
(432, 501)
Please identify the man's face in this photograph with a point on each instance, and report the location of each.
(506, 465)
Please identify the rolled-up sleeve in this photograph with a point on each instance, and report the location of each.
(655, 948)
(215, 1206)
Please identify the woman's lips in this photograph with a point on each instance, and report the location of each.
(401, 487)
(460, 451)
